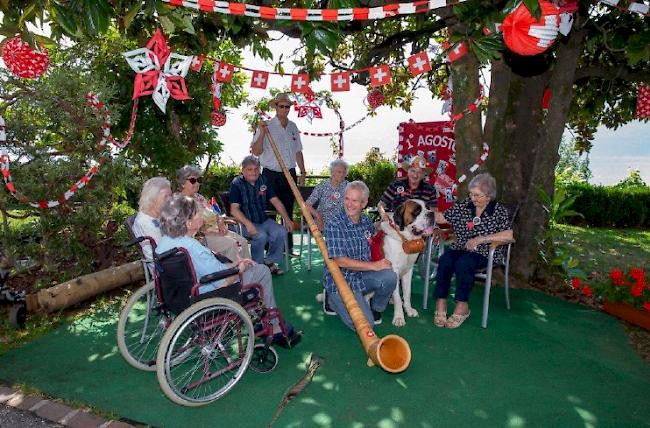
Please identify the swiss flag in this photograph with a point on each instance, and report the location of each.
(379, 75)
(458, 51)
(643, 102)
(419, 63)
(223, 72)
(300, 83)
(340, 81)
(197, 62)
(260, 79)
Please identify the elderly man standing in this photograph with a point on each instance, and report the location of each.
(249, 198)
(286, 136)
(347, 235)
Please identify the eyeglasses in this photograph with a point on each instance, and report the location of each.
(477, 195)
(194, 180)
(283, 106)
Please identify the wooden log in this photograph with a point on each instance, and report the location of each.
(68, 293)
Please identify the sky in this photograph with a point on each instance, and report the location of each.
(614, 152)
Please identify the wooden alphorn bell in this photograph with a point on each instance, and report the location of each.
(392, 353)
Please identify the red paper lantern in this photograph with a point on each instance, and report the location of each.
(218, 118)
(375, 98)
(23, 61)
(526, 35)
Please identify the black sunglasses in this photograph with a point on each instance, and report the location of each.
(194, 180)
(283, 106)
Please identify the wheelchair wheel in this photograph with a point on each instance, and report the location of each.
(140, 328)
(18, 316)
(204, 352)
(264, 359)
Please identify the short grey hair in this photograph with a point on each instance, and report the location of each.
(182, 174)
(486, 183)
(360, 186)
(250, 160)
(339, 163)
(175, 214)
(151, 190)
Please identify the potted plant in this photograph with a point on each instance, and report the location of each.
(626, 296)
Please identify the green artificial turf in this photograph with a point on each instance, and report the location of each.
(544, 363)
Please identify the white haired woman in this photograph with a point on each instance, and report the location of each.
(218, 238)
(328, 194)
(476, 220)
(180, 220)
(155, 192)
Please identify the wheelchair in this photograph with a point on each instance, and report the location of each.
(199, 345)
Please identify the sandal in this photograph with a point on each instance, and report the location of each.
(440, 318)
(455, 320)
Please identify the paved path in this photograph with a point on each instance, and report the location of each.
(11, 417)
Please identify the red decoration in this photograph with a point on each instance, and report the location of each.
(223, 72)
(459, 50)
(643, 102)
(546, 98)
(340, 81)
(259, 79)
(23, 61)
(197, 63)
(300, 83)
(419, 63)
(218, 118)
(376, 98)
(525, 35)
(379, 75)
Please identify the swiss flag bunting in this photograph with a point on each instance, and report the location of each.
(340, 81)
(419, 63)
(197, 62)
(458, 51)
(259, 79)
(643, 102)
(379, 75)
(300, 83)
(224, 71)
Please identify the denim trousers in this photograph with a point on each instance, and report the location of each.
(462, 263)
(268, 232)
(382, 282)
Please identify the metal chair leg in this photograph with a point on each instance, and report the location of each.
(507, 273)
(427, 269)
(486, 292)
(302, 231)
(286, 253)
(308, 250)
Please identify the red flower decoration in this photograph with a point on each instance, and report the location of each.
(587, 291)
(470, 226)
(617, 277)
(646, 306)
(638, 274)
(637, 290)
(23, 61)
(576, 282)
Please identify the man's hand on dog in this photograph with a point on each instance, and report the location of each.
(382, 264)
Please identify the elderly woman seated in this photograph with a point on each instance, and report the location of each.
(180, 219)
(155, 192)
(328, 194)
(477, 221)
(217, 237)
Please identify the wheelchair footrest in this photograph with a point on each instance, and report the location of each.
(292, 338)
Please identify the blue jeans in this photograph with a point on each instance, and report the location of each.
(268, 232)
(382, 282)
(464, 264)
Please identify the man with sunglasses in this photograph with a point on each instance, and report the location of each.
(286, 135)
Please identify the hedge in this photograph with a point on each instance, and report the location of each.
(606, 206)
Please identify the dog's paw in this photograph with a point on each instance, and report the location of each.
(399, 322)
(411, 312)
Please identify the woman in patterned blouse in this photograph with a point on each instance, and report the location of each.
(477, 221)
(328, 194)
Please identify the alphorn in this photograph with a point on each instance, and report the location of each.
(392, 353)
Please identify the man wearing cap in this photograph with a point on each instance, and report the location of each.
(286, 136)
(413, 187)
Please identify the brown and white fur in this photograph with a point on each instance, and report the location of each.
(413, 220)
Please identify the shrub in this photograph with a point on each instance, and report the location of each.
(604, 206)
(218, 179)
(376, 171)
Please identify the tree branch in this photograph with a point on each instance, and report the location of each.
(611, 73)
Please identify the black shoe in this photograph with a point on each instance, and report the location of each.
(294, 255)
(292, 338)
(376, 316)
(326, 306)
(275, 270)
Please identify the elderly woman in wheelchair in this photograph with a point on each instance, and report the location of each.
(208, 321)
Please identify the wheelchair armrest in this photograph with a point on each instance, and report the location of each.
(216, 276)
(230, 220)
(134, 241)
(167, 253)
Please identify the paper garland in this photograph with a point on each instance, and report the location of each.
(473, 168)
(101, 108)
(23, 61)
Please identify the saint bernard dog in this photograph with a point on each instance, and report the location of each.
(410, 221)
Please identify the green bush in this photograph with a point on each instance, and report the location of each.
(377, 174)
(605, 206)
(218, 179)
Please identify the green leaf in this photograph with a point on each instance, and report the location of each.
(131, 14)
(97, 17)
(533, 8)
(167, 24)
(27, 15)
(64, 18)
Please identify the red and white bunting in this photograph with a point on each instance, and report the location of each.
(300, 83)
(419, 63)
(459, 50)
(223, 72)
(259, 79)
(473, 168)
(643, 102)
(197, 63)
(379, 75)
(340, 81)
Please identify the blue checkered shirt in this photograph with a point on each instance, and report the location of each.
(252, 198)
(347, 239)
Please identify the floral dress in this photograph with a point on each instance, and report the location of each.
(328, 198)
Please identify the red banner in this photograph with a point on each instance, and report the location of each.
(435, 142)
